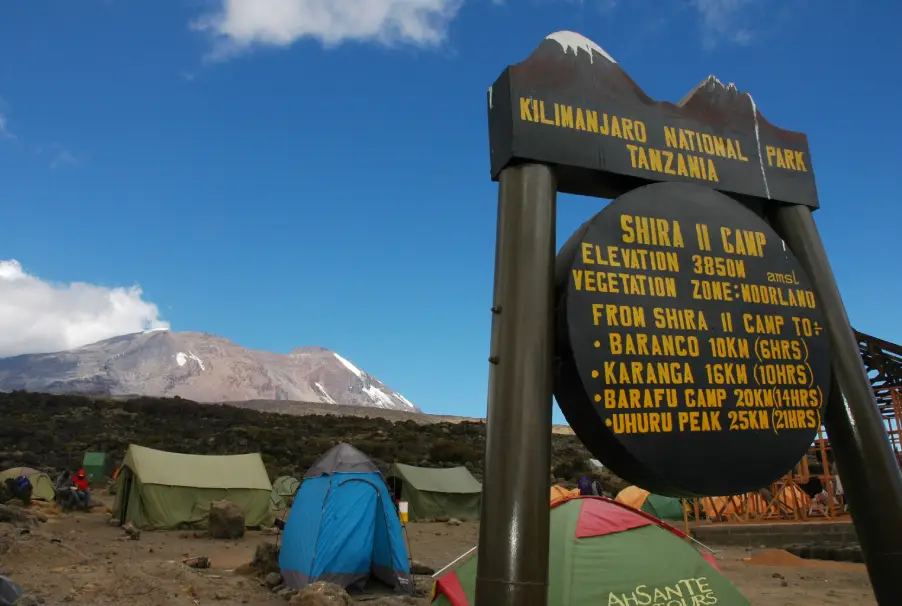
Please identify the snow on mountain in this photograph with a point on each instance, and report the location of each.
(200, 367)
(573, 41)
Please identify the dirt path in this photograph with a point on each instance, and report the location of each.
(80, 559)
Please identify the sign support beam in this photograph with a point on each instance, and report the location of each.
(870, 471)
(514, 528)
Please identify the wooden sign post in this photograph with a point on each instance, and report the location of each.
(692, 330)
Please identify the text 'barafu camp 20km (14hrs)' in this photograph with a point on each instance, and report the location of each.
(692, 353)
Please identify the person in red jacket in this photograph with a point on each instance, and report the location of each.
(82, 490)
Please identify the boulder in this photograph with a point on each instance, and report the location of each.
(322, 594)
(226, 520)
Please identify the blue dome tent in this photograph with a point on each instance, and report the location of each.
(343, 527)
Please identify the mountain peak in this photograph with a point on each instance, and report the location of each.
(201, 367)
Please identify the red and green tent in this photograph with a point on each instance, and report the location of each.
(609, 554)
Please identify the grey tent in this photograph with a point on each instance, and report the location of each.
(343, 458)
(436, 493)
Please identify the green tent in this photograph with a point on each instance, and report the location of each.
(663, 508)
(96, 465)
(602, 552)
(165, 490)
(436, 493)
(283, 490)
(41, 484)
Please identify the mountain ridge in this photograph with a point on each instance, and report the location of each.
(202, 367)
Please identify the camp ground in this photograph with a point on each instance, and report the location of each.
(435, 494)
(340, 523)
(166, 490)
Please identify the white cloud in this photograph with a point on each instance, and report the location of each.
(63, 157)
(239, 25)
(37, 316)
(4, 124)
(724, 19)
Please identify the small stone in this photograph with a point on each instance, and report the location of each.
(272, 579)
(417, 567)
(200, 562)
(322, 594)
(454, 522)
(133, 533)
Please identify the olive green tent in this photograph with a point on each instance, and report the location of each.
(96, 465)
(165, 490)
(436, 493)
(41, 484)
(283, 490)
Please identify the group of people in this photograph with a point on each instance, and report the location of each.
(73, 490)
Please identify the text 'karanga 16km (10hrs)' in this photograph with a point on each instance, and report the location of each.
(694, 358)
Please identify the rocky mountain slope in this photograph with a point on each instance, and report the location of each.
(52, 432)
(200, 367)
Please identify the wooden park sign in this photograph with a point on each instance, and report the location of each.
(569, 105)
(692, 330)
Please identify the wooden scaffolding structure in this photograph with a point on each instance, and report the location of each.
(790, 498)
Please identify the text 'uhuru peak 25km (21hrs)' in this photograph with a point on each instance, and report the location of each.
(693, 354)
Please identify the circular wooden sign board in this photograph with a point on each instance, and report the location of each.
(692, 355)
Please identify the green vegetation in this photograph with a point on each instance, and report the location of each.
(52, 433)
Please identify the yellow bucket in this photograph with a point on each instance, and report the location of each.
(402, 511)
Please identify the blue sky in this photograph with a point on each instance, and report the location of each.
(302, 172)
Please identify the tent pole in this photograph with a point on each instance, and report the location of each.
(697, 542)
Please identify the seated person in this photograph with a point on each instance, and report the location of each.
(82, 490)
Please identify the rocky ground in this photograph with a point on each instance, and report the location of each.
(80, 559)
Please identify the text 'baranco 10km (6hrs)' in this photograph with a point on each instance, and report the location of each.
(693, 358)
